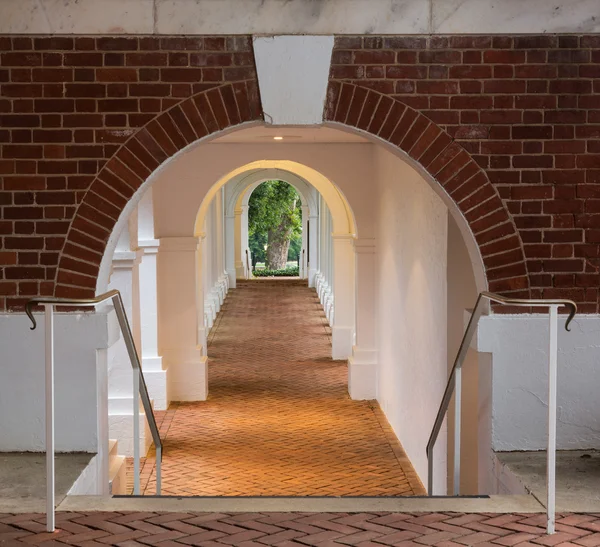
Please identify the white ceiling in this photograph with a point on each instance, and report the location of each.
(304, 135)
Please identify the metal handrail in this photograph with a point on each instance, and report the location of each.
(138, 376)
(454, 381)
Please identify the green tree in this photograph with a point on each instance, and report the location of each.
(257, 242)
(295, 247)
(275, 210)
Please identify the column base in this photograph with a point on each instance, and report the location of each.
(231, 275)
(362, 374)
(341, 342)
(188, 378)
(312, 274)
(120, 426)
(156, 381)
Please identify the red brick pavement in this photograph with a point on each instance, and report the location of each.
(278, 420)
(129, 529)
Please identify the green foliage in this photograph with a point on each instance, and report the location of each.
(295, 247)
(272, 203)
(256, 243)
(287, 272)
(274, 218)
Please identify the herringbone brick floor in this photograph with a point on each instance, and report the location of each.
(278, 420)
(300, 529)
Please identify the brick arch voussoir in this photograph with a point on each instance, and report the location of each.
(450, 165)
(138, 157)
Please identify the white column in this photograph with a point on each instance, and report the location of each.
(313, 249)
(362, 364)
(146, 301)
(120, 372)
(239, 264)
(304, 248)
(180, 328)
(230, 249)
(244, 242)
(223, 241)
(203, 318)
(222, 284)
(155, 373)
(342, 336)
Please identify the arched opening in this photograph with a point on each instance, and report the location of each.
(392, 245)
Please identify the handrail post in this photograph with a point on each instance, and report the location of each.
(552, 383)
(139, 386)
(430, 471)
(49, 351)
(136, 432)
(457, 423)
(158, 469)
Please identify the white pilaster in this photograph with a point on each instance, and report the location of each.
(362, 364)
(230, 250)
(155, 373)
(179, 331)
(246, 259)
(239, 263)
(304, 249)
(313, 249)
(342, 336)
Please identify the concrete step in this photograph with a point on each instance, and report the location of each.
(117, 470)
(492, 504)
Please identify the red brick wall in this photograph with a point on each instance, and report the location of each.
(527, 110)
(66, 107)
(510, 126)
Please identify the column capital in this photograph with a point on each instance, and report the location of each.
(124, 260)
(149, 246)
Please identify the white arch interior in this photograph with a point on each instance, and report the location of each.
(238, 192)
(382, 238)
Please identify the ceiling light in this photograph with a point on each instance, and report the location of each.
(277, 138)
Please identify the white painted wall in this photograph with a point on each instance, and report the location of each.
(80, 350)
(297, 16)
(520, 381)
(411, 245)
(182, 185)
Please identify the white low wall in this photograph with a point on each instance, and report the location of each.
(80, 351)
(519, 348)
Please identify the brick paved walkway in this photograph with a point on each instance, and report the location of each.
(301, 529)
(278, 421)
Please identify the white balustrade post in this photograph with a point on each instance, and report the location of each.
(49, 358)
(552, 382)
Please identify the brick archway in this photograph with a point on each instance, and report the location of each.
(450, 165)
(199, 116)
(232, 104)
